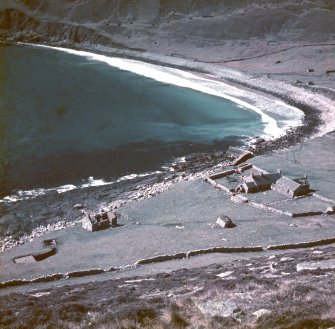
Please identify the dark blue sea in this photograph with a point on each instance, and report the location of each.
(64, 118)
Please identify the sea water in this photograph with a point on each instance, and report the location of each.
(64, 118)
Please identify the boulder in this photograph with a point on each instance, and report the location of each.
(223, 308)
(225, 222)
(328, 264)
(78, 206)
(261, 313)
(225, 274)
(330, 210)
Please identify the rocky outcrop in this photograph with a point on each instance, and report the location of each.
(225, 222)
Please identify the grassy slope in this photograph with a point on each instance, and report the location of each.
(293, 299)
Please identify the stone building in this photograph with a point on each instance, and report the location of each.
(291, 187)
(99, 221)
(258, 182)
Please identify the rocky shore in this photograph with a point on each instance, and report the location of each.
(61, 212)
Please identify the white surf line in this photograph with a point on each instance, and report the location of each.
(185, 79)
(324, 105)
(91, 182)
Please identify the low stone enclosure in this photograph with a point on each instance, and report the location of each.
(37, 257)
(248, 184)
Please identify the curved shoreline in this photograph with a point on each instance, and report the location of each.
(200, 83)
(311, 121)
(291, 135)
(312, 116)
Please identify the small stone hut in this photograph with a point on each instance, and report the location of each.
(99, 221)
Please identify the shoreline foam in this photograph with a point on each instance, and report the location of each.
(205, 84)
(21, 195)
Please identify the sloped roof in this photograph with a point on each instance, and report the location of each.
(262, 179)
(288, 183)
